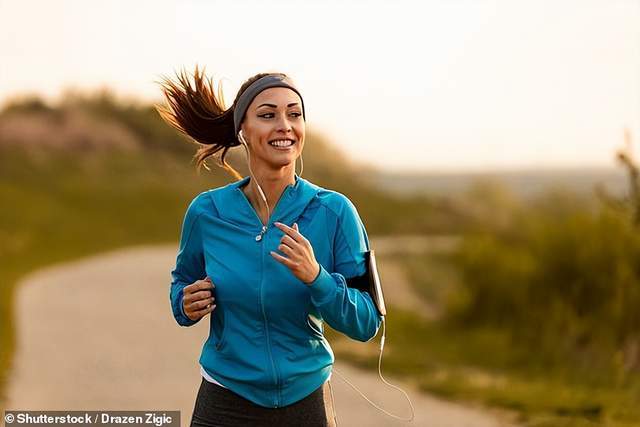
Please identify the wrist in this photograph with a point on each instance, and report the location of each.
(315, 275)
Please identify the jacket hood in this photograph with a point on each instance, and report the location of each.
(234, 207)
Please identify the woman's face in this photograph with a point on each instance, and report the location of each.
(275, 114)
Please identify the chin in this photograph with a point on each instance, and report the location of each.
(283, 164)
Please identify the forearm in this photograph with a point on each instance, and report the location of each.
(347, 310)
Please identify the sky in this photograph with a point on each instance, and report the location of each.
(407, 86)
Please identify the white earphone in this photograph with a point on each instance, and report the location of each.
(246, 146)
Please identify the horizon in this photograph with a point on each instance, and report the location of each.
(123, 99)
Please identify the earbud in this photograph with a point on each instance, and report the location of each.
(241, 138)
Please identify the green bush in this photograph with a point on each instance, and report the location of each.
(563, 280)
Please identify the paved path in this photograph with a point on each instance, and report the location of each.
(98, 334)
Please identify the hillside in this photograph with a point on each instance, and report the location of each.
(86, 129)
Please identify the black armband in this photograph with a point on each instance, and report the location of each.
(370, 282)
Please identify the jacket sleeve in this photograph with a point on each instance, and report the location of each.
(347, 310)
(189, 263)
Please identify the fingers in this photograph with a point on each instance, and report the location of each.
(198, 285)
(284, 260)
(198, 299)
(199, 305)
(293, 244)
(287, 240)
(199, 296)
(198, 290)
(286, 250)
(292, 232)
(193, 305)
(195, 315)
(292, 253)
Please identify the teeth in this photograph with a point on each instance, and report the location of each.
(281, 143)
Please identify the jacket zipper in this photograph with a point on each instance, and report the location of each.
(259, 236)
(264, 227)
(258, 239)
(266, 330)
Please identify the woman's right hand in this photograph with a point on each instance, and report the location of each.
(198, 299)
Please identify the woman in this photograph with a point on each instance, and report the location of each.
(268, 256)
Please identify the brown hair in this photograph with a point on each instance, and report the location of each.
(198, 113)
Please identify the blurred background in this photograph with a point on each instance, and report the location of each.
(489, 146)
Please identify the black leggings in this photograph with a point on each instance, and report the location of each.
(220, 407)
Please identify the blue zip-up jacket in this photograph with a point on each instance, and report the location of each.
(266, 339)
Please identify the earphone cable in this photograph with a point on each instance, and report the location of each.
(264, 198)
(385, 381)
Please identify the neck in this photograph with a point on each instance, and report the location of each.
(273, 183)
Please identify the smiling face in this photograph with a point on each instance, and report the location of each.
(274, 128)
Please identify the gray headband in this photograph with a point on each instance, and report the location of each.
(271, 80)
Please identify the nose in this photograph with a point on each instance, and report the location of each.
(284, 124)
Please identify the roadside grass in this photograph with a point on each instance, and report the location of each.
(62, 209)
(484, 365)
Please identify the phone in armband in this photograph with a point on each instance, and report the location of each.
(370, 282)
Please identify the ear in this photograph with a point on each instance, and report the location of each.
(241, 138)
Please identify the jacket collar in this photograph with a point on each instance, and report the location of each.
(234, 207)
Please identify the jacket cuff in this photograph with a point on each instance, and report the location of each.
(181, 305)
(323, 288)
(185, 320)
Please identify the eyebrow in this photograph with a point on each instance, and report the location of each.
(275, 106)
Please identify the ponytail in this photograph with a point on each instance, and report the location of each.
(198, 113)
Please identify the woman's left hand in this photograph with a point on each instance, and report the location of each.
(301, 260)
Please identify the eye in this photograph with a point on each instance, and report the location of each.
(296, 114)
(265, 115)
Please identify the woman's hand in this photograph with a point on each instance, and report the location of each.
(198, 299)
(301, 260)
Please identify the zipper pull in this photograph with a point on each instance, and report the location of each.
(259, 236)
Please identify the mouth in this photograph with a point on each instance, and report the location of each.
(284, 144)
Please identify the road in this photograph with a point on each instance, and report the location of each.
(98, 334)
